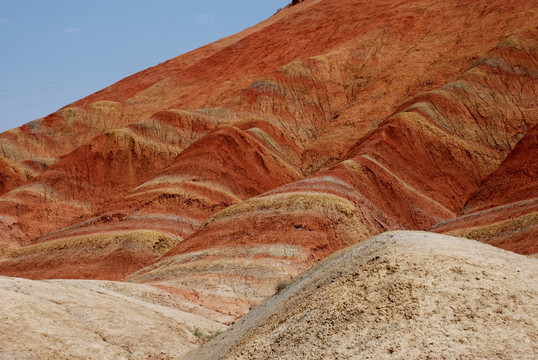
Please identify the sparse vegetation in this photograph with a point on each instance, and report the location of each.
(205, 337)
(281, 285)
(215, 334)
(294, 2)
(198, 333)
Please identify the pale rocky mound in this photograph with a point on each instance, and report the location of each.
(400, 295)
(81, 319)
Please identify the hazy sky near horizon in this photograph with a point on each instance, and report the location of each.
(53, 52)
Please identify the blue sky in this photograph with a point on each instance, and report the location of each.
(53, 52)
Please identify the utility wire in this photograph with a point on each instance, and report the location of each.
(65, 101)
(71, 83)
(70, 55)
(118, 72)
(74, 85)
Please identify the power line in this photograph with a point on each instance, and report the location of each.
(67, 83)
(74, 85)
(72, 55)
(68, 100)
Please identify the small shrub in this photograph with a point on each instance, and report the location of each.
(199, 334)
(281, 285)
(205, 337)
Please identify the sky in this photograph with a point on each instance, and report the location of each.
(53, 52)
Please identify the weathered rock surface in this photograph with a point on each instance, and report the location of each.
(504, 210)
(414, 171)
(72, 319)
(329, 123)
(410, 156)
(399, 295)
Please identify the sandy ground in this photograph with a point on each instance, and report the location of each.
(399, 295)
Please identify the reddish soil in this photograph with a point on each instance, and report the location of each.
(328, 123)
(516, 179)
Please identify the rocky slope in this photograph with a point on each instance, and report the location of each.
(315, 111)
(501, 212)
(220, 173)
(76, 319)
(399, 295)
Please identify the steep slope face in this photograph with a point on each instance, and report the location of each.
(401, 294)
(394, 53)
(49, 202)
(12, 175)
(109, 165)
(188, 81)
(40, 143)
(94, 320)
(412, 158)
(504, 210)
(329, 123)
(226, 166)
(415, 170)
(133, 99)
(515, 180)
(445, 142)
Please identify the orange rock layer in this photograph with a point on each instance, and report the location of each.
(328, 123)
